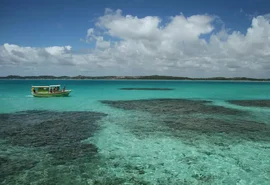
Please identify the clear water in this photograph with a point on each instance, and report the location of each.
(135, 146)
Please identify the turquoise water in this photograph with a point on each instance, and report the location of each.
(135, 136)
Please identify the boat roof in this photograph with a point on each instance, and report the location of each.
(40, 86)
(46, 86)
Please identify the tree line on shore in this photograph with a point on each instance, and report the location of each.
(151, 77)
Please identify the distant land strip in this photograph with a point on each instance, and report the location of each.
(151, 77)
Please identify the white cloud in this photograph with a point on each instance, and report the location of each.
(129, 27)
(90, 32)
(129, 45)
(100, 43)
(56, 50)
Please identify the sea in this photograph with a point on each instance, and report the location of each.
(136, 132)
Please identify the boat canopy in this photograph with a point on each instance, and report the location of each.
(55, 85)
(46, 86)
(40, 86)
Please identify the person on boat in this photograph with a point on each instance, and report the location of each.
(64, 88)
(34, 90)
(50, 90)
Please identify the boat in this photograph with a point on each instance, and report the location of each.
(50, 91)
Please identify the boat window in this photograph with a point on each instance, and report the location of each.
(43, 89)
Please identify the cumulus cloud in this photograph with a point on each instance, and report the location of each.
(131, 45)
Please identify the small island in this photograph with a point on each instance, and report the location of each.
(151, 77)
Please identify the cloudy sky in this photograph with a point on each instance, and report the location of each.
(135, 37)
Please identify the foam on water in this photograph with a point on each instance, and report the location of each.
(29, 96)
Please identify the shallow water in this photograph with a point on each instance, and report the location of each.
(136, 132)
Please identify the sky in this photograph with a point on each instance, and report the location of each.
(135, 37)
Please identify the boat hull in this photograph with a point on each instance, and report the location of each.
(56, 94)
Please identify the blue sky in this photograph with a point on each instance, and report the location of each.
(134, 37)
(40, 23)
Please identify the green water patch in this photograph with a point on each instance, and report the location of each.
(251, 103)
(148, 89)
(55, 138)
(197, 117)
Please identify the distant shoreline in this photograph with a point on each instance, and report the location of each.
(153, 77)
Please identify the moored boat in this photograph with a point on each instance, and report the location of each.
(49, 91)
